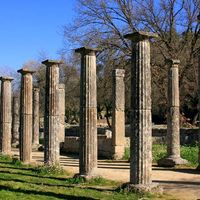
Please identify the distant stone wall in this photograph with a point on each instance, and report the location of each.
(71, 145)
(187, 135)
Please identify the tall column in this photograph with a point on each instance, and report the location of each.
(141, 122)
(15, 121)
(62, 112)
(6, 115)
(173, 129)
(26, 115)
(198, 167)
(88, 113)
(52, 115)
(36, 117)
(198, 19)
(118, 121)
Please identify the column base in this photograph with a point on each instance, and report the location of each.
(118, 152)
(26, 162)
(35, 147)
(142, 188)
(87, 176)
(171, 161)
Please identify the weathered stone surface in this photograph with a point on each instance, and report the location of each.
(52, 116)
(118, 116)
(141, 122)
(15, 122)
(6, 115)
(26, 115)
(36, 117)
(198, 168)
(88, 113)
(173, 129)
(62, 112)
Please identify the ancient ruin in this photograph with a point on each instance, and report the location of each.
(173, 129)
(6, 115)
(118, 115)
(36, 117)
(26, 115)
(52, 116)
(88, 113)
(141, 122)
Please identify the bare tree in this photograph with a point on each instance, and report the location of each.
(103, 23)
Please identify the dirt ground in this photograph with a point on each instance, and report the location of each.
(183, 184)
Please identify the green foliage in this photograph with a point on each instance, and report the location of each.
(126, 155)
(159, 151)
(49, 170)
(16, 162)
(190, 153)
(6, 158)
(75, 180)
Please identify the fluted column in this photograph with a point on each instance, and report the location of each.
(6, 115)
(62, 112)
(36, 117)
(88, 113)
(15, 122)
(52, 116)
(173, 129)
(118, 121)
(26, 115)
(198, 167)
(141, 122)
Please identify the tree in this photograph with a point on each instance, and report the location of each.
(102, 23)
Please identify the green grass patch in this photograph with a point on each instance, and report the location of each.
(26, 182)
(159, 151)
(49, 170)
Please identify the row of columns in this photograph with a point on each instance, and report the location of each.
(141, 122)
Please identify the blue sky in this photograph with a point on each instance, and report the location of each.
(29, 27)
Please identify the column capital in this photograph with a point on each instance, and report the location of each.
(173, 62)
(86, 50)
(118, 72)
(25, 71)
(6, 78)
(140, 35)
(50, 63)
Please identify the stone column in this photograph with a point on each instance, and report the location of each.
(26, 115)
(36, 117)
(62, 112)
(88, 113)
(52, 115)
(173, 129)
(141, 122)
(6, 115)
(198, 18)
(118, 121)
(15, 122)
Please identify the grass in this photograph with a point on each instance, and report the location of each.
(26, 182)
(159, 151)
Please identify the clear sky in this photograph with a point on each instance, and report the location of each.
(28, 27)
